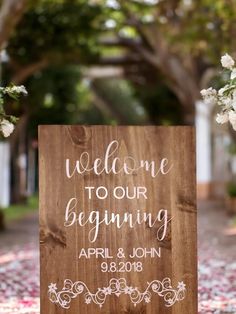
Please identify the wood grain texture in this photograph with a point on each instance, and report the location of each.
(175, 191)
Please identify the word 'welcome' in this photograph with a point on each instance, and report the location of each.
(111, 164)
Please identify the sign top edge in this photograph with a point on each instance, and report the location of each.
(114, 126)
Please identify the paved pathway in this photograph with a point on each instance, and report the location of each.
(19, 267)
(217, 260)
(19, 264)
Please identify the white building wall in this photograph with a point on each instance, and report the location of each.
(4, 174)
(203, 138)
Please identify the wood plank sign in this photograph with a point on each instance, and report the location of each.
(117, 220)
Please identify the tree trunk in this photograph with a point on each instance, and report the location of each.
(2, 221)
(10, 13)
(180, 73)
(18, 148)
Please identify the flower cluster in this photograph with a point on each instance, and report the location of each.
(226, 96)
(6, 127)
(7, 121)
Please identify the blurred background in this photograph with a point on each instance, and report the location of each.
(136, 62)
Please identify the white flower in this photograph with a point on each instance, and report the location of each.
(225, 96)
(227, 61)
(233, 74)
(88, 300)
(147, 299)
(222, 118)
(232, 118)
(6, 127)
(80, 288)
(222, 90)
(19, 90)
(181, 285)
(234, 105)
(233, 100)
(227, 102)
(64, 303)
(208, 92)
(16, 90)
(107, 290)
(52, 287)
(209, 95)
(128, 290)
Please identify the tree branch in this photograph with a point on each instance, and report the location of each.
(105, 107)
(120, 60)
(120, 41)
(96, 72)
(10, 13)
(25, 72)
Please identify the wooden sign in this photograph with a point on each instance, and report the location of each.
(117, 220)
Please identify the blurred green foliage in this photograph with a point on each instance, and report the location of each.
(121, 96)
(231, 189)
(59, 31)
(70, 34)
(17, 211)
(60, 96)
(161, 104)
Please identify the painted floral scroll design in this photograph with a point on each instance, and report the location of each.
(116, 287)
